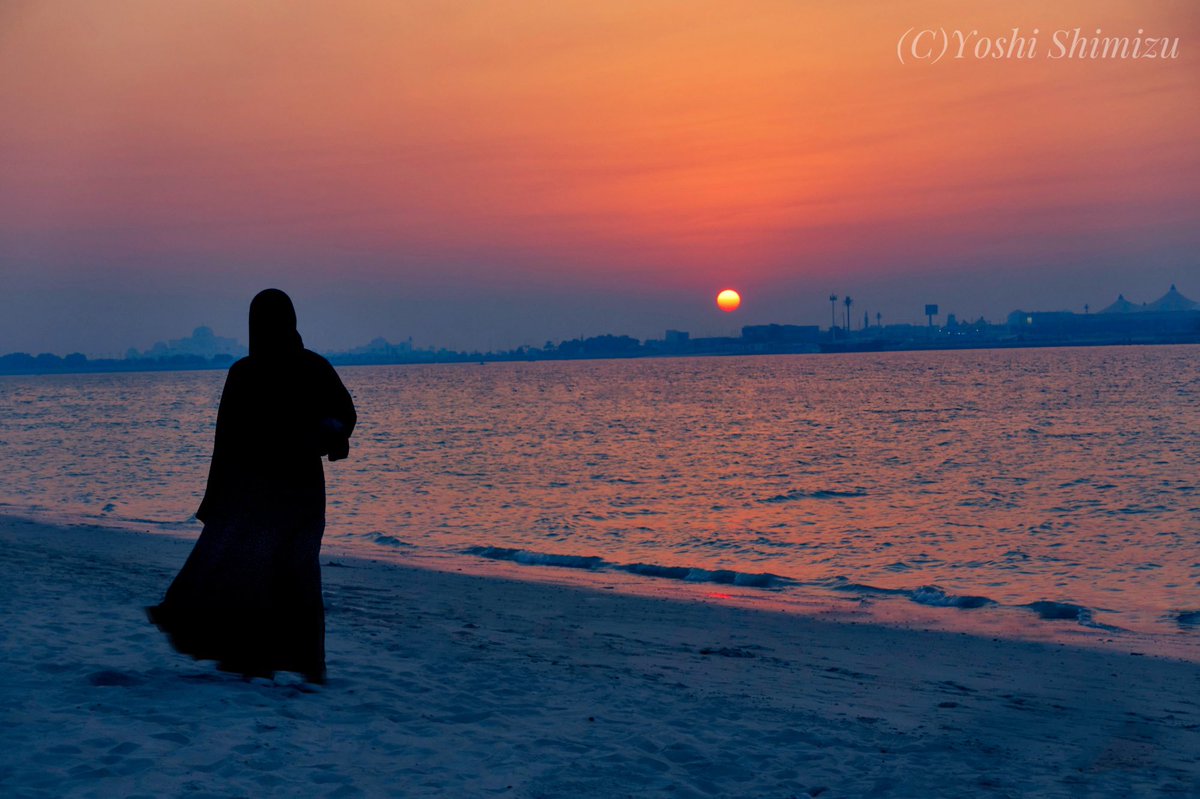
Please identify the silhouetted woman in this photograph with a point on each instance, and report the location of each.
(249, 595)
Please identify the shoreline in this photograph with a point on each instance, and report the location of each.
(928, 608)
(853, 347)
(446, 683)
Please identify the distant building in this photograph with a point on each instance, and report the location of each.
(203, 343)
(1172, 302)
(1122, 305)
(676, 338)
(1172, 317)
(782, 334)
(905, 332)
(776, 338)
(717, 345)
(383, 347)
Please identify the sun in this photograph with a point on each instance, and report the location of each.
(729, 300)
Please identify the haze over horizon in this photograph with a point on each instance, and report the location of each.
(482, 176)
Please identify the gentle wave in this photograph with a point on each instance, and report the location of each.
(1187, 619)
(934, 596)
(928, 595)
(384, 540)
(594, 563)
(528, 558)
(722, 576)
(1060, 611)
(1066, 611)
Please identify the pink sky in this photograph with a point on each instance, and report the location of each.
(491, 174)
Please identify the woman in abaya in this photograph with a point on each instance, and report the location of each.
(249, 595)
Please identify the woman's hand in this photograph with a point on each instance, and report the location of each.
(334, 441)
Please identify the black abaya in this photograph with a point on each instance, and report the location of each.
(249, 595)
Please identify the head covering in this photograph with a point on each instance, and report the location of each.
(273, 324)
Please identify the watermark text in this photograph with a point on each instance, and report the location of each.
(933, 45)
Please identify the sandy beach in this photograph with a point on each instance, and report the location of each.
(446, 684)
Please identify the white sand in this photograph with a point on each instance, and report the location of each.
(453, 685)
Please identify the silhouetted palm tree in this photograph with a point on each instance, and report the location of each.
(878, 319)
(848, 301)
(832, 311)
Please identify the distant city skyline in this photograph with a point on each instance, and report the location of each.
(1172, 318)
(206, 341)
(487, 176)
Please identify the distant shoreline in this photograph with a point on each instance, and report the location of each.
(66, 366)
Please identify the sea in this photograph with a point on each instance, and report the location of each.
(1044, 494)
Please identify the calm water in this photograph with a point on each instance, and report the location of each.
(1044, 493)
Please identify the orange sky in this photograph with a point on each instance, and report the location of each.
(523, 147)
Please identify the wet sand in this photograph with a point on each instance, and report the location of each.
(446, 684)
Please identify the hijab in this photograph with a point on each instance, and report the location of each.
(273, 325)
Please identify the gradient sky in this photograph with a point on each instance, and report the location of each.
(494, 173)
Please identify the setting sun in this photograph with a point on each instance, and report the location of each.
(729, 300)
